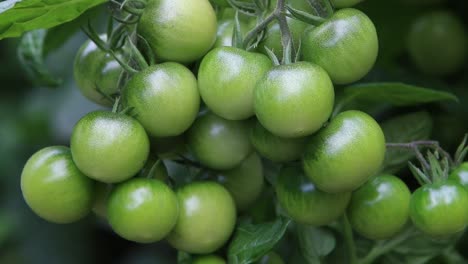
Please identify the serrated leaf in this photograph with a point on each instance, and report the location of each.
(251, 242)
(315, 242)
(397, 94)
(403, 129)
(31, 56)
(17, 17)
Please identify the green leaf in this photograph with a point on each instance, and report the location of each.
(22, 16)
(31, 56)
(251, 242)
(397, 94)
(183, 258)
(403, 129)
(315, 242)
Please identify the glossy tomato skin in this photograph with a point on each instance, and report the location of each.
(346, 153)
(304, 202)
(244, 182)
(277, 149)
(164, 98)
(142, 210)
(207, 218)
(437, 43)
(94, 69)
(439, 209)
(54, 188)
(178, 30)
(460, 175)
(345, 3)
(294, 100)
(209, 259)
(109, 147)
(226, 79)
(380, 208)
(218, 143)
(346, 45)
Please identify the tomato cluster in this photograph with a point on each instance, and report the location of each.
(223, 109)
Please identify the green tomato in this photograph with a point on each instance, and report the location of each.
(100, 203)
(54, 188)
(272, 39)
(96, 73)
(437, 43)
(346, 153)
(345, 45)
(218, 143)
(304, 202)
(460, 175)
(207, 218)
(178, 30)
(294, 100)
(225, 31)
(142, 210)
(245, 182)
(209, 259)
(380, 208)
(227, 78)
(345, 3)
(277, 149)
(109, 147)
(440, 209)
(271, 258)
(164, 98)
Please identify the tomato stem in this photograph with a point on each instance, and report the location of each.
(423, 143)
(328, 7)
(256, 30)
(116, 106)
(349, 240)
(286, 38)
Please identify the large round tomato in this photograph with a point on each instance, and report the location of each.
(219, 143)
(294, 100)
(227, 77)
(346, 153)
(460, 174)
(54, 188)
(206, 220)
(345, 45)
(304, 202)
(164, 98)
(178, 30)
(380, 208)
(109, 147)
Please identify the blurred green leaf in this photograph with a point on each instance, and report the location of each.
(183, 258)
(315, 242)
(402, 129)
(17, 17)
(31, 56)
(251, 242)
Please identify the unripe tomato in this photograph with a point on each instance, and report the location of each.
(225, 32)
(277, 149)
(345, 45)
(54, 188)
(346, 153)
(102, 191)
(271, 258)
(165, 98)
(244, 182)
(207, 218)
(294, 100)
(109, 147)
(94, 69)
(304, 202)
(460, 175)
(440, 209)
(380, 208)
(344, 3)
(227, 77)
(437, 43)
(209, 259)
(142, 210)
(219, 143)
(178, 30)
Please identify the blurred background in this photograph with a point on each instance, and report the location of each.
(33, 117)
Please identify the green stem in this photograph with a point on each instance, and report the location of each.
(256, 30)
(328, 7)
(286, 38)
(349, 240)
(116, 106)
(137, 55)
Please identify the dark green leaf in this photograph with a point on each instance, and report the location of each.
(403, 129)
(315, 242)
(397, 94)
(15, 19)
(183, 258)
(31, 56)
(251, 242)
